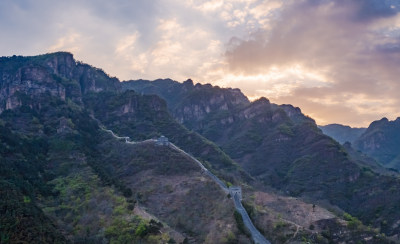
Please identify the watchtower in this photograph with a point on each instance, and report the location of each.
(162, 141)
(236, 190)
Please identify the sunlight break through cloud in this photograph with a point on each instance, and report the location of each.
(337, 60)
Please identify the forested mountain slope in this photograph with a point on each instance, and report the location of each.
(67, 179)
(64, 179)
(283, 148)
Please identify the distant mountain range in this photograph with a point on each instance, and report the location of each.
(342, 133)
(381, 140)
(66, 179)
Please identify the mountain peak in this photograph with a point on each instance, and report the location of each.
(290, 109)
(262, 100)
(188, 82)
(55, 73)
(59, 54)
(378, 123)
(384, 119)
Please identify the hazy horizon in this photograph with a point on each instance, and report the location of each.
(336, 60)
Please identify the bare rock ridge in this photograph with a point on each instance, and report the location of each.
(176, 94)
(34, 76)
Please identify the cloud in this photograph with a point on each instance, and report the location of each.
(100, 33)
(321, 55)
(68, 42)
(372, 9)
(346, 43)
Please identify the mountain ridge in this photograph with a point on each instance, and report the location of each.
(93, 181)
(342, 133)
(289, 153)
(85, 198)
(380, 141)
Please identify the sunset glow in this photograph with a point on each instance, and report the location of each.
(336, 60)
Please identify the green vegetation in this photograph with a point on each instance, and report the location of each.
(63, 179)
(286, 130)
(22, 160)
(352, 222)
(240, 223)
(58, 167)
(149, 118)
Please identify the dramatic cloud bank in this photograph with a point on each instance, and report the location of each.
(346, 54)
(336, 59)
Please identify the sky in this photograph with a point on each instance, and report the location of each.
(338, 60)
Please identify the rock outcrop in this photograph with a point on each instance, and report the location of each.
(381, 141)
(56, 74)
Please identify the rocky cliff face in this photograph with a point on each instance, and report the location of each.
(189, 103)
(295, 113)
(205, 100)
(56, 74)
(30, 81)
(90, 79)
(381, 140)
(192, 104)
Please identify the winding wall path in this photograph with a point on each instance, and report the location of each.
(255, 234)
